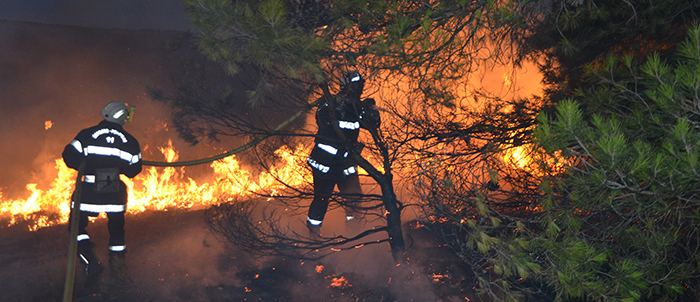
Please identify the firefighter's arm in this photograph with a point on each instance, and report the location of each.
(134, 169)
(370, 114)
(135, 165)
(323, 119)
(73, 154)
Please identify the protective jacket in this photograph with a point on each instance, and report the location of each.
(330, 154)
(108, 151)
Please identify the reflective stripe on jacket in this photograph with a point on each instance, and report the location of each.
(105, 145)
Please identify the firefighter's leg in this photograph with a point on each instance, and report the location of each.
(314, 228)
(115, 225)
(323, 188)
(118, 271)
(117, 247)
(351, 191)
(86, 255)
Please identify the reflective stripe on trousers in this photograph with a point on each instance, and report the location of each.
(100, 208)
(317, 165)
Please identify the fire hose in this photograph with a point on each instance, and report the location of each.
(73, 247)
(75, 210)
(234, 151)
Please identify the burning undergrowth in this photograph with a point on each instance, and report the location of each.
(283, 279)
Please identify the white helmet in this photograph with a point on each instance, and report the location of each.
(115, 112)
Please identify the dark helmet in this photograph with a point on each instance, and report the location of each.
(116, 112)
(352, 82)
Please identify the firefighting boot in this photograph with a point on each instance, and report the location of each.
(314, 230)
(118, 272)
(93, 267)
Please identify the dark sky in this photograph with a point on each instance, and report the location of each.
(122, 14)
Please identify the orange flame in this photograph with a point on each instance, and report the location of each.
(517, 157)
(158, 188)
(438, 277)
(340, 282)
(520, 157)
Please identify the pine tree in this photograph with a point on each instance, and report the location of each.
(624, 213)
(570, 34)
(505, 222)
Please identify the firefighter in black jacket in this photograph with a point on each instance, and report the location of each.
(108, 151)
(330, 162)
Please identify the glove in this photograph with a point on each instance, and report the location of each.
(370, 115)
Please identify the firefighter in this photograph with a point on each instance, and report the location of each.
(329, 159)
(108, 151)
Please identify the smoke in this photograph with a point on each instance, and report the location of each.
(174, 255)
(371, 268)
(65, 75)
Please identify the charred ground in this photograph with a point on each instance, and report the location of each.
(172, 256)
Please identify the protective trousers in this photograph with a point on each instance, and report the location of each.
(350, 190)
(115, 226)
